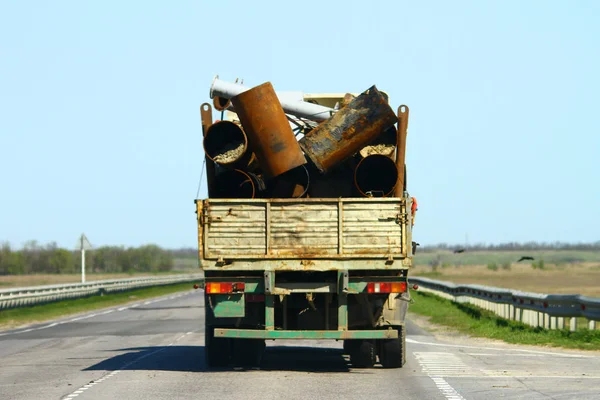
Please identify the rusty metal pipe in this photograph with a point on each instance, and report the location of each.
(292, 184)
(269, 134)
(221, 104)
(350, 129)
(401, 150)
(376, 176)
(206, 118)
(226, 144)
(236, 184)
(302, 109)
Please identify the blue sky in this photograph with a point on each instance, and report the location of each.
(100, 130)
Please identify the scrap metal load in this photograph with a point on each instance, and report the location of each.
(282, 147)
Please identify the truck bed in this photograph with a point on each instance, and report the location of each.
(304, 234)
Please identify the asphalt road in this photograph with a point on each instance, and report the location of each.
(154, 350)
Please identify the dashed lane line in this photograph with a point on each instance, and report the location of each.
(436, 365)
(82, 389)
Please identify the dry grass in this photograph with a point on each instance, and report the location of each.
(580, 278)
(9, 281)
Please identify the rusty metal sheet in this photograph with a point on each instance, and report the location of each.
(347, 131)
(269, 134)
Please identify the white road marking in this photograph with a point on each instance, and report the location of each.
(505, 355)
(460, 346)
(84, 317)
(115, 372)
(448, 391)
(443, 364)
(436, 365)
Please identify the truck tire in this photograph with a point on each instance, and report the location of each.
(217, 352)
(248, 352)
(363, 353)
(349, 346)
(392, 352)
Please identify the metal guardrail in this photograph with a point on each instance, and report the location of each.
(548, 311)
(35, 295)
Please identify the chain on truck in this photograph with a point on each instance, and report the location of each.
(307, 229)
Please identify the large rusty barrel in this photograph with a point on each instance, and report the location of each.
(269, 134)
(376, 176)
(348, 130)
(226, 144)
(235, 183)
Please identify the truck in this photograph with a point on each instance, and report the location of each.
(308, 264)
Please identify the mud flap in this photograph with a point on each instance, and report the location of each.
(228, 305)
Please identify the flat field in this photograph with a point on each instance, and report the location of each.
(562, 272)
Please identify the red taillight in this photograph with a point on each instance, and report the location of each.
(224, 287)
(386, 287)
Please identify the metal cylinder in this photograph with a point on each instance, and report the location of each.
(221, 104)
(236, 184)
(269, 134)
(401, 149)
(302, 109)
(292, 184)
(226, 144)
(351, 128)
(376, 176)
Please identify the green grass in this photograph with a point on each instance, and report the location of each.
(473, 321)
(26, 315)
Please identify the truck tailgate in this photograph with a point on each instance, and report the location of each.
(345, 228)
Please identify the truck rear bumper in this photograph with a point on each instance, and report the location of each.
(283, 334)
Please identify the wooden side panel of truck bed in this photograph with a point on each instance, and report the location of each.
(335, 229)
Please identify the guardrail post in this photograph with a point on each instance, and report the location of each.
(546, 321)
(592, 325)
(561, 323)
(553, 323)
(573, 324)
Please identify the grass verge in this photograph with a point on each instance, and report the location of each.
(27, 315)
(473, 321)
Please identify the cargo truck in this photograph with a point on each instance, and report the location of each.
(305, 267)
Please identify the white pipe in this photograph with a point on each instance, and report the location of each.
(302, 109)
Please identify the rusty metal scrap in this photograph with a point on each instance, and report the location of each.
(350, 129)
(350, 154)
(376, 176)
(268, 130)
(226, 143)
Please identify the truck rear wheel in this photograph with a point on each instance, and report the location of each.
(217, 352)
(248, 352)
(362, 353)
(392, 352)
